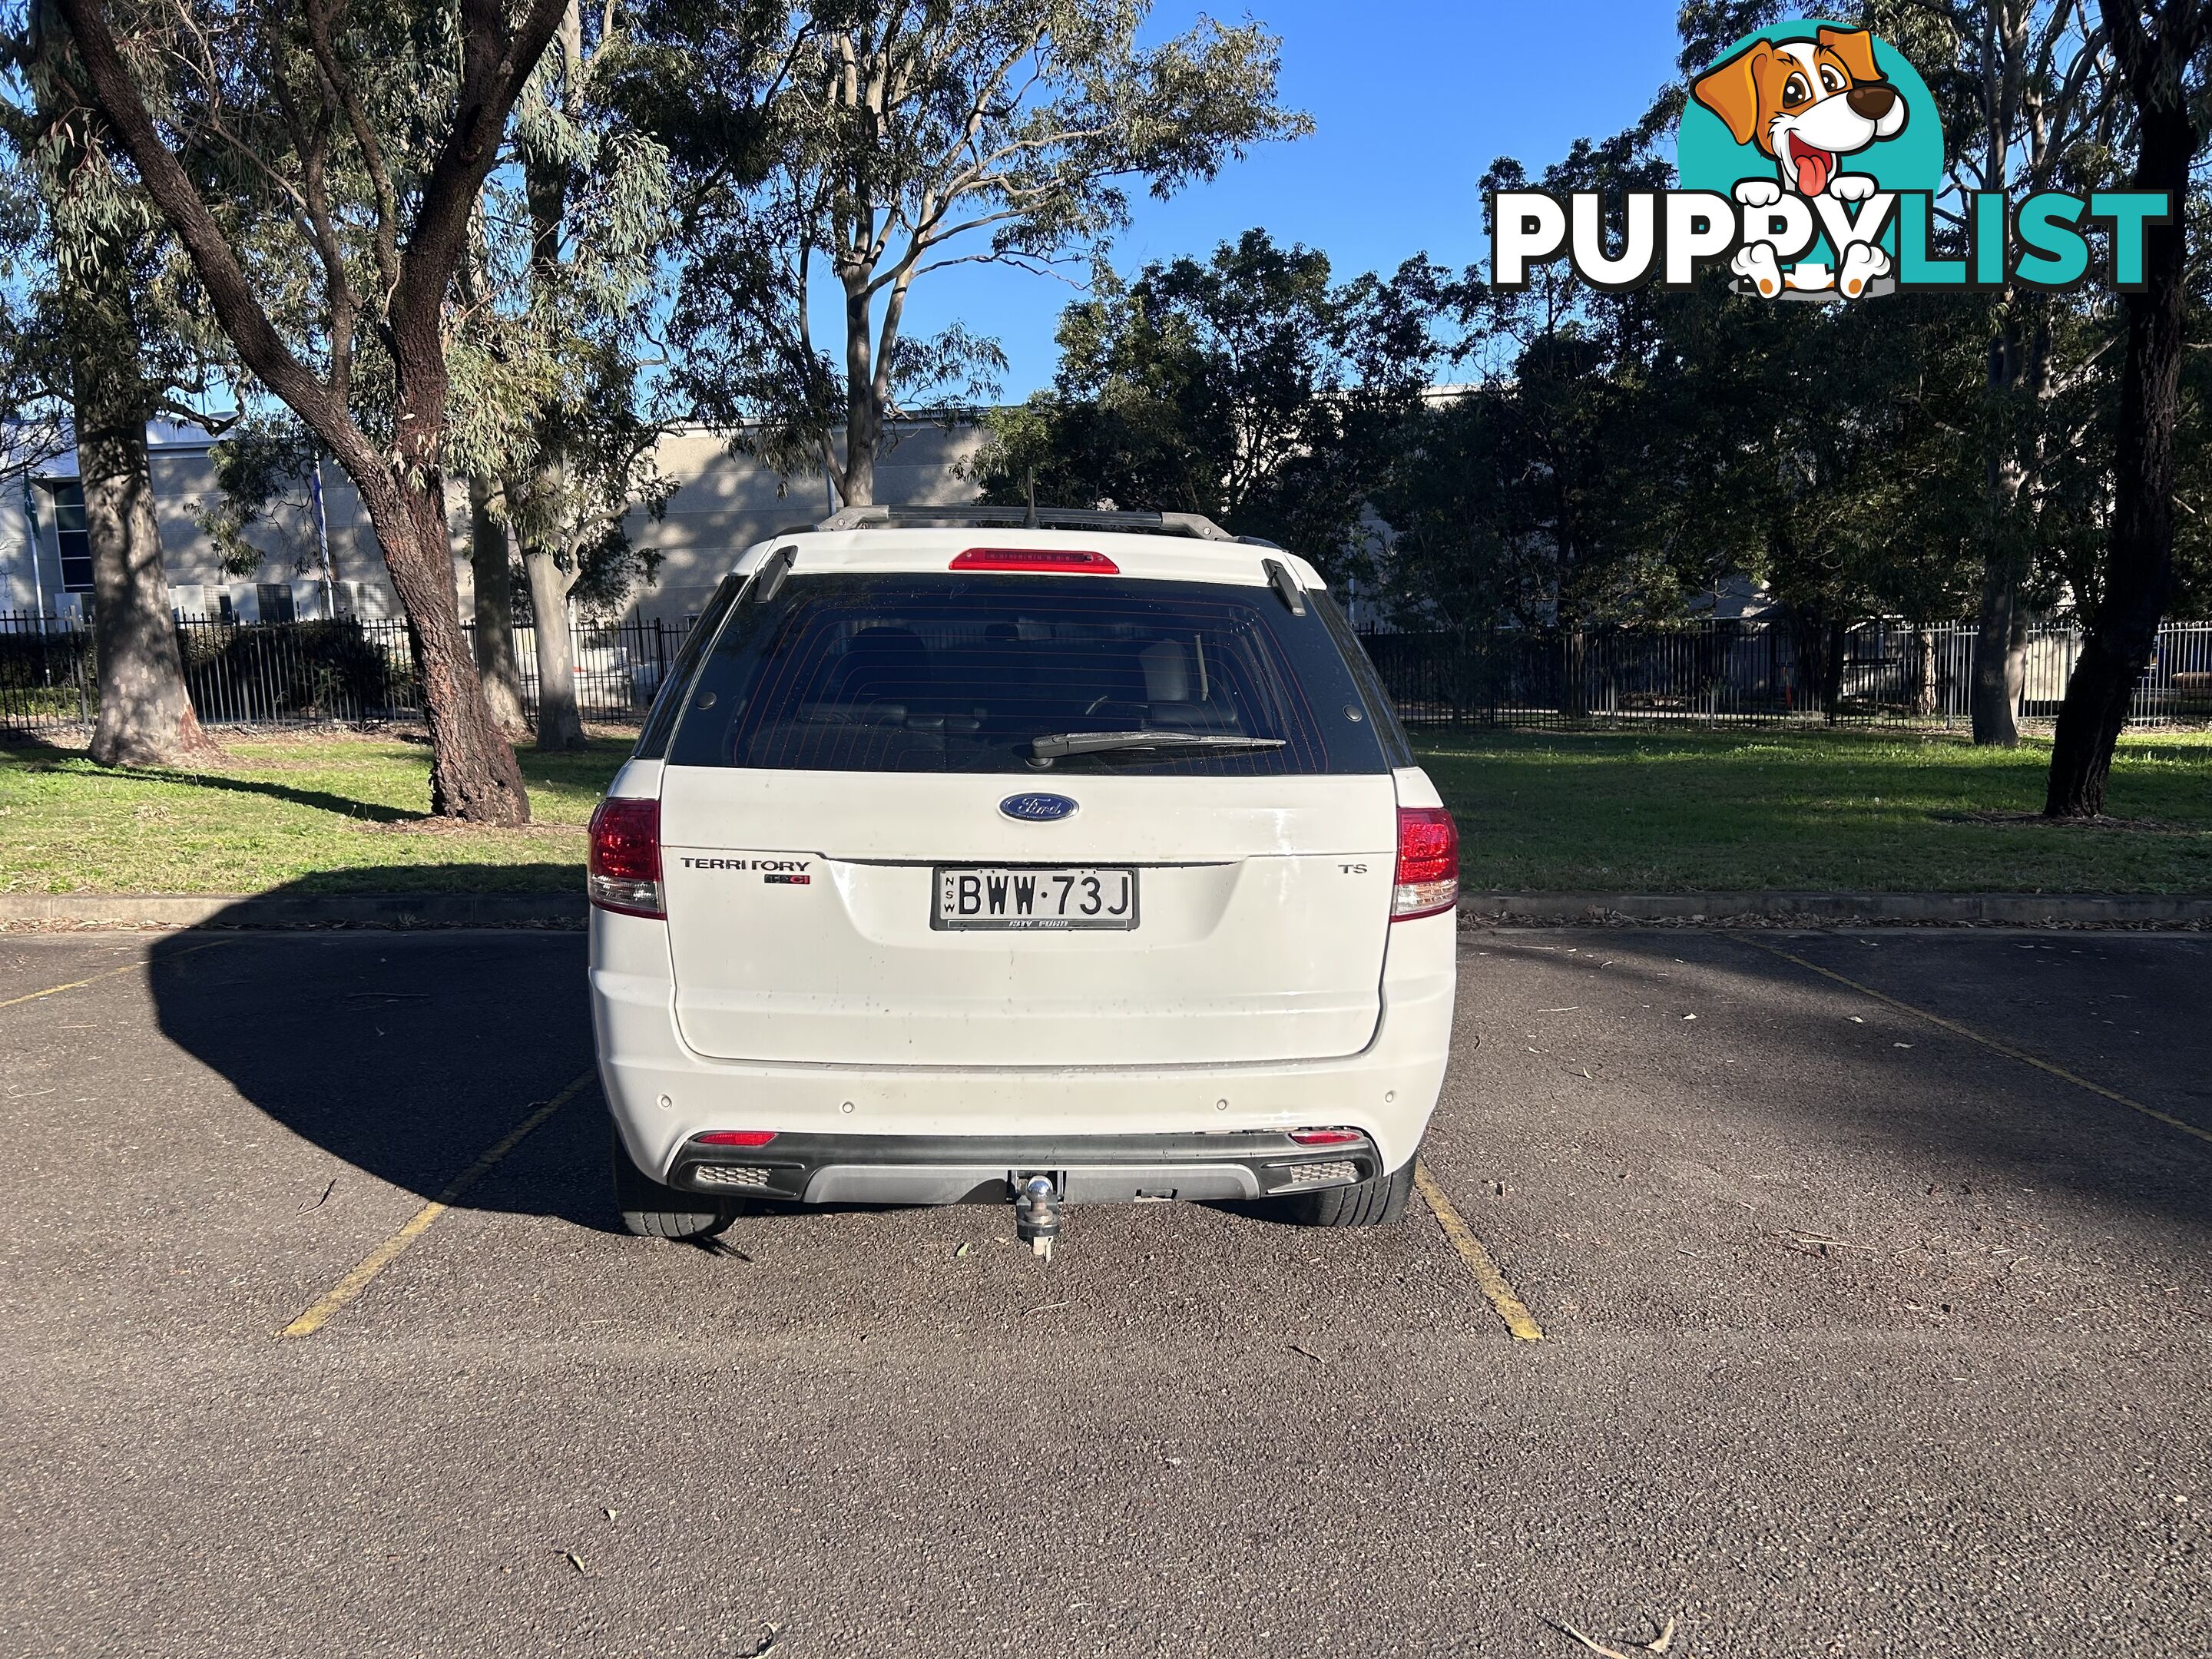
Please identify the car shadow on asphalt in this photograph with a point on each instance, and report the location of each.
(404, 1053)
(1831, 1067)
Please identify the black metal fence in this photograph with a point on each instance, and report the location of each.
(353, 670)
(1722, 671)
(310, 673)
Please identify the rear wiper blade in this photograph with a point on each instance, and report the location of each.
(1059, 743)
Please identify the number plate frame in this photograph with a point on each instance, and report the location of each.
(944, 894)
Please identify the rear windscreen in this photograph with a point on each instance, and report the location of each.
(958, 673)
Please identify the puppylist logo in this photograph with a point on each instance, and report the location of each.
(1811, 157)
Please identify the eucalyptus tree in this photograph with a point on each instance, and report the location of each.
(2024, 91)
(574, 245)
(96, 333)
(2165, 56)
(321, 163)
(2030, 87)
(1246, 386)
(904, 136)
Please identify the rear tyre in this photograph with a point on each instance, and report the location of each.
(652, 1211)
(1379, 1202)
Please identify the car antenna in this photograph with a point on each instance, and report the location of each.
(1030, 523)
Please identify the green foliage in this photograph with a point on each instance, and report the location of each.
(1249, 388)
(78, 237)
(261, 466)
(307, 670)
(895, 139)
(567, 277)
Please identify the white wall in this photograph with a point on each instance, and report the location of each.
(724, 503)
(729, 501)
(19, 590)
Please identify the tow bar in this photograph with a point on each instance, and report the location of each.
(1037, 1215)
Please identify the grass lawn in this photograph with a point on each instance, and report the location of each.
(329, 812)
(1664, 812)
(1691, 811)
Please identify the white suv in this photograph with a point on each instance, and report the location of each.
(1052, 858)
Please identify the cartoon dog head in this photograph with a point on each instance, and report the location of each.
(1806, 103)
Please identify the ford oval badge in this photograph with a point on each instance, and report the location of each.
(1037, 809)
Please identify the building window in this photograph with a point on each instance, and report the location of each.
(70, 532)
(274, 601)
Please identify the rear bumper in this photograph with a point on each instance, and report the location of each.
(662, 1094)
(837, 1168)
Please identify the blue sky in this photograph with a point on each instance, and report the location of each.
(1410, 100)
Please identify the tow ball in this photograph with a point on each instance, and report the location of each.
(1037, 1215)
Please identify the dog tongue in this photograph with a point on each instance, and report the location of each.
(1813, 166)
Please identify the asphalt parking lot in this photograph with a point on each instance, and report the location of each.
(1861, 1334)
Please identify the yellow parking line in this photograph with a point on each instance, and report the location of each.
(1491, 1283)
(127, 968)
(386, 1253)
(1988, 1042)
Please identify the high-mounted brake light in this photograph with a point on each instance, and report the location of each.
(1326, 1136)
(1428, 863)
(734, 1138)
(1037, 558)
(623, 874)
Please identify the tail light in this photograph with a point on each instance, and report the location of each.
(624, 866)
(1068, 559)
(735, 1138)
(1326, 1136)
(1428, 863)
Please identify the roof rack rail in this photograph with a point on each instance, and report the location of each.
(1022, 518)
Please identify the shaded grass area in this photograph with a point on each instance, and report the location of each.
(1649, 811)
(330, 812)
(1818, 811)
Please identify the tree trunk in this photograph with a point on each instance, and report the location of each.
(2138, 574)
(492, 582)
(473, 772)
(1922, 673)
(473, 775)
(145, 716)
(2000, 654)
(1574, 692)
(559, 725)
(2001, 630)
(864, 423)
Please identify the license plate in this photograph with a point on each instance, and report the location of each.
(1029, 897)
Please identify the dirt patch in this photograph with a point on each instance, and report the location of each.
(2135, 826)
(456, 828)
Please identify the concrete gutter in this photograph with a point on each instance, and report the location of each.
(1749, 909)
(1768, 909)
